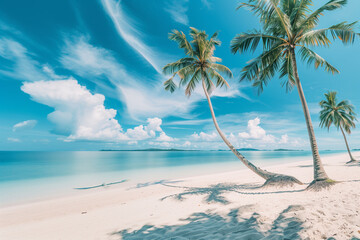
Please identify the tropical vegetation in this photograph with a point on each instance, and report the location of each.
(288, 30)
(340, 114)
(201, 66)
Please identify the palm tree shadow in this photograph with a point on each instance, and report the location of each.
(207, 225)
(159, 182)
(214, 193)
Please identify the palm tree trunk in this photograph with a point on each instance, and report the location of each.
(319, 171)
(347, 145)
(262, 173)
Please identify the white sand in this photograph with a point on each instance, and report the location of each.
(218, 206)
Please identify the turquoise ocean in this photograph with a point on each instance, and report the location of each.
(31, 176)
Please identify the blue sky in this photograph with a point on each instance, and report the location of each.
(86, 75)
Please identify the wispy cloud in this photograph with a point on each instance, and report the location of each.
(24, 67)
(207, 3)
(28, 124)
(178, 10)
(142, 96)
(131, 34)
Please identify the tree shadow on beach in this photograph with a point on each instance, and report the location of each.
(208, 225)
(214, 193)
(159, 182)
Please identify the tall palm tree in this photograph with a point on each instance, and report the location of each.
(287, 26)
(340, 114)
(200, 65)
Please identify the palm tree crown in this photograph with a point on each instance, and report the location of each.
(200, 63)
(288, 24)
(341, 114)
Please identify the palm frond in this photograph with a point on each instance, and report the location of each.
(343, 31)
(313, 19)
(220, 81)
(192, 82)
(245, 41)
(222, 69)
(174, 67)
(313, 58)
(181, 40)
(286, 70)
(170, 85)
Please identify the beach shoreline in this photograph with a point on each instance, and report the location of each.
(219, 201)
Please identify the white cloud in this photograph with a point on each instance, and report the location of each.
(284, 139)
(24, 67)
(132, 142)
(162, 144)
(137, 133)
(164, 138)
(178, 10)
(82, 115)
(87, 60)
(143, 97)
(51, 73)
(154, 125)
(28, 124)
(13, 139)
(144, 132)
(256, 132)
(205, 137)
(77, 111)
(130, 34)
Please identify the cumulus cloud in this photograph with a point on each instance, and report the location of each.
(177, 10)
(256, 132)
(82, 115)
(144, 132)
(284, 139)
(164, 138)
(28, 124)
(77, 111)
(204, 137)
(254, 137)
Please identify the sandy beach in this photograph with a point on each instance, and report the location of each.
(227, 205)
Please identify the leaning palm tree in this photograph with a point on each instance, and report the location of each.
(288, 28)
(340, 114)
(200, 65)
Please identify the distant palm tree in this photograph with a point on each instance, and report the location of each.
(289, 25)
(201, 65)
(340, 114)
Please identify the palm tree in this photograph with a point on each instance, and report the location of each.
(289, 25)
(340, 114)
(200, 65)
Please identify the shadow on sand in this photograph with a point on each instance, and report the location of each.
(207, 225)
(214, 193)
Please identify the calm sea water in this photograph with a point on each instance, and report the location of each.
(29, 176)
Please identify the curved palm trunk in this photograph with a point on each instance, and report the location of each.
(262, 173)
(347, 146)
(319, 171)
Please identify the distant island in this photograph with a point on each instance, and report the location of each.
(286, 150)
(249, 149)
(186, 150)
(146, 150)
